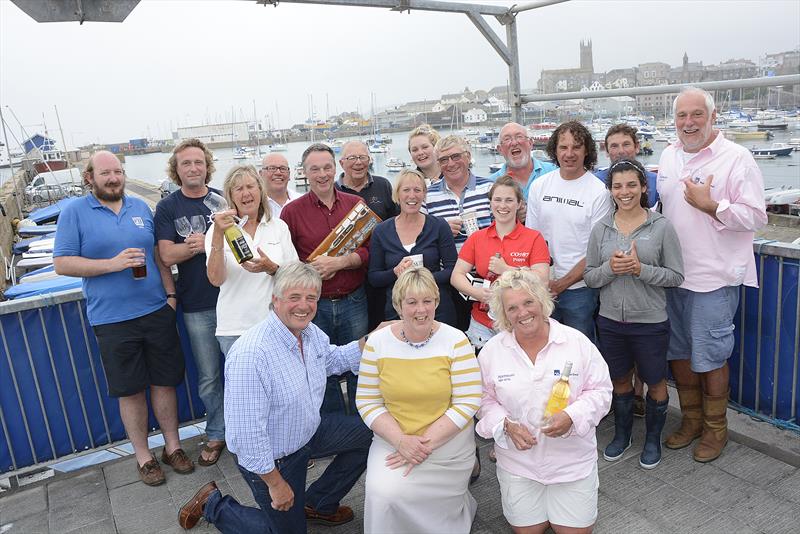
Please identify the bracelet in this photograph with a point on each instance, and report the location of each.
(172, 296)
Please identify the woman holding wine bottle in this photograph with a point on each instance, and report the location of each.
(633, 254)
(503, 245)
(248, 229)
(546, 466)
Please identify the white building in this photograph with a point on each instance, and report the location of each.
(238, 132)
(474, 116)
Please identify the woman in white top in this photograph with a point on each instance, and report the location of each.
(246, 289)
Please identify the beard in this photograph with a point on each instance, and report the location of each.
(108, 194)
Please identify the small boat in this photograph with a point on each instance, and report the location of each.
(495, 167)
(781, 199)
(243, 152)
(300, 178)
(746, 135)
(777, 149)
(395, 165)
(794, 142)
(278, 147)
(774, 124)
(376, 148)
(764, 156)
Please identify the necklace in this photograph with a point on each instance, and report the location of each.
(416, 345)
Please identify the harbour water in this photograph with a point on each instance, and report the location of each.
(151, 168)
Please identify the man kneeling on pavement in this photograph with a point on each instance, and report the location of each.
(275, 377)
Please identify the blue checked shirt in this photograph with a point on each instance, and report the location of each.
(273, 393)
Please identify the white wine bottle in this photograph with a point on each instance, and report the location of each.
(239, 247)
(559, 396)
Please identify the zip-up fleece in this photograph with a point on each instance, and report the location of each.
(628, 298)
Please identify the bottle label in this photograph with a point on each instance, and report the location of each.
(241, 250)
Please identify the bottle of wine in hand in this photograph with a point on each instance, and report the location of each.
(235, 238)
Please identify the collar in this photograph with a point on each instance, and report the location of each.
(340, 182)
(276, 327)
(491, 231)
(312, 196)
(471, 183)
(714, 147)
(557, 335)
(96, 204)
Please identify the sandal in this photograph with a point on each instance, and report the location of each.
(215, 452)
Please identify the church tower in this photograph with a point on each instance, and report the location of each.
(587, 64)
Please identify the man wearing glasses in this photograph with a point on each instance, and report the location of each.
(460, 191)
(357, 180)
(515, 146)
(276, 174)
(377, 194)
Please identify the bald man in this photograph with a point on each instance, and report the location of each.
(357, 180)
(107, 238)
(276, 173)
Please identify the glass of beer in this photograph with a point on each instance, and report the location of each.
(140, 271)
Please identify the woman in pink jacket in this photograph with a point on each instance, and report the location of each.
(547, 468)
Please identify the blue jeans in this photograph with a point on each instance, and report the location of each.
(346, 437)
(343, 320)
(201, 326)
(576, 308)
(226, 342)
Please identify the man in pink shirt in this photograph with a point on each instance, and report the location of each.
(712, 193)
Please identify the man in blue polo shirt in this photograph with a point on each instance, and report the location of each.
(515, 146)
(107, 239)
(621, 142)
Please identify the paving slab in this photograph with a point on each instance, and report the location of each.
(100, 527)
(674, 508)
(713, 486)
(153, 518)
(78, 501)
(23, 503)
(788, 488)
(31, 524)
(765, 512)
(753, 466)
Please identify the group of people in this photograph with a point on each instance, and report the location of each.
(542, 270)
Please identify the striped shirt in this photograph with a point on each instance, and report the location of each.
(442, 202)
(418, 386)
(273, 392)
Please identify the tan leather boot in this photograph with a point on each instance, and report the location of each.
(691, 399)
(715, 428)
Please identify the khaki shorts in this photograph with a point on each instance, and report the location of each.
(527, 502)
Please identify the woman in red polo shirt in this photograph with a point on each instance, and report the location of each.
(516, 245)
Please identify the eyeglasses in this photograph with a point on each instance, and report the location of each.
(276, 168)
(455, 158)
(519, 138)
(353, 159)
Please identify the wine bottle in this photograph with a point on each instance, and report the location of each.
(559, 396)
(490, 277)
(239, 247)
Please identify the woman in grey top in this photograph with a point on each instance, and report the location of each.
(633, 255)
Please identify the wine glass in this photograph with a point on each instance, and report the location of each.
(198, 224)
(215, 202)
(624, 243)
(183, 227)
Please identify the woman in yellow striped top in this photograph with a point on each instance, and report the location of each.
(419, 386)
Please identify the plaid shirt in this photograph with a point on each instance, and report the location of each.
(273, 393)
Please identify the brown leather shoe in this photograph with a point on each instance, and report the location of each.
(715, 428)
(178, 460)
(342, 515)
(691, 399)
(151, 473)
(191, 512)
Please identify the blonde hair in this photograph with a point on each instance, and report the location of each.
(235, 176)
(416, 280)
(523, 279)
(426, 130)
(404, 175)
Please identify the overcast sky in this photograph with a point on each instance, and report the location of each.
(186, 62)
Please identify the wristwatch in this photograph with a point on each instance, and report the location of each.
(172, 296)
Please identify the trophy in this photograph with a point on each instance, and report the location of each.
(349, 234)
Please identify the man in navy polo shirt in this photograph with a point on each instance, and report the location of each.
(191, 166)
(106, 238)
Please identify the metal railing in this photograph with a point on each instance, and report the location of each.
(53, 401)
